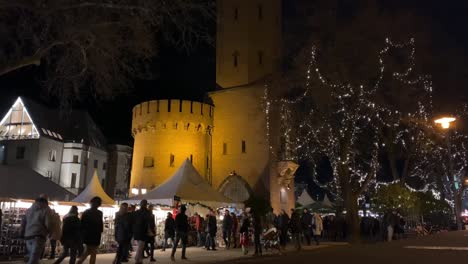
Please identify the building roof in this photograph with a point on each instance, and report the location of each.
(75, 126)
(189, 186)
(94, 189)
(24, 183)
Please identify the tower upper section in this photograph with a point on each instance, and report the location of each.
(248, 45)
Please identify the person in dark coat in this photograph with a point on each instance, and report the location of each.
(257, 227)
(283, 225)
(227, 229)
(212, 229)
(244, 233)
(235, 226)
(142, 223)
(151, 236)
(296, 229)
(123, 232)
(181, 230)
(169, 230)
(92, 227)
(306, 222)
(71, 236)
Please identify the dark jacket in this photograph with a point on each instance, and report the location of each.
(295, 223)
(257, 225)
(227, 223)
(245, 225)
(306, 221)
(283, 222)
(123, 227)
(92, 227)
(142, 223)
(181, 223)
(212, 227)
(235, 224)
(71, 230)
(169, 227)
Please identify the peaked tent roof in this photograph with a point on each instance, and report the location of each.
(304, 198)
(75, 126)
(25, 183)
(187, 184)
(94, 189)
(326, 201)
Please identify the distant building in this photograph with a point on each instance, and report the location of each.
(228, 140)
(120, 163)
(66, 150)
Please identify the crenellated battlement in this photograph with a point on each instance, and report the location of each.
(172, 114)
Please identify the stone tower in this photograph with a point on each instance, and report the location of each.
(248, 49)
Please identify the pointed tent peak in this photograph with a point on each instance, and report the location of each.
(94, 189)
(327, 201)
(305, 198)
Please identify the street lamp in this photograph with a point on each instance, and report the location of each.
(445, 122)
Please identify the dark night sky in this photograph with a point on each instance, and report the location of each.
(190, 76)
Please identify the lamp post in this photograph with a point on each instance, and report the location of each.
(445, 123)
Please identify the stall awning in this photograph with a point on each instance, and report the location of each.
(187, 184)
(94, 189)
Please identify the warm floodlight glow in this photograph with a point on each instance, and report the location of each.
(134, 191)
(445, 121)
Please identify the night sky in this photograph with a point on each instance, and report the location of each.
(190, 75)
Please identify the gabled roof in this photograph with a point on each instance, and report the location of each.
(94, 189)
(75, 126)
(24, 183)
(187, 184)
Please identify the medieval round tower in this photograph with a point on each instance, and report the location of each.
(166, 133)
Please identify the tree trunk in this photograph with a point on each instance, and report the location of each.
(458, 209)
(352, 217)
(392, 162)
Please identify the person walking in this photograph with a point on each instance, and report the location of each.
(151, 235)
(212, 229)
(199, 229)
(283, 225)
(257, 229)
(227, 228)
(296, 229)
(55, 233)
(169, 230)
(392, 223)
(235, 226)
(71, 236)
(306, 222)
(141, 224)
(317, 227)
(35, 227)
(244, 233)
(181, 230)
(92, 227)
(123, 233)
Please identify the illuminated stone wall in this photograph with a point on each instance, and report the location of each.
(169, 128)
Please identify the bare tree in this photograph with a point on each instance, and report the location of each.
(94, 47)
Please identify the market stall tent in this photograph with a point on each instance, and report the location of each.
(304, 198)
(25, 183)
(189, 186)
(94, 189)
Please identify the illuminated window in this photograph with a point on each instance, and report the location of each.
(148, 162)
(171, 160)
(20, 152)
(17, 123)
(224, 148)
(96, 163)
(243, 146)
(75, 159)
(73, 181)
(52, 155)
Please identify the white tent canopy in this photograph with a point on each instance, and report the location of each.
(187, 184)
(94, 189)
(304, 198)
(326, 201)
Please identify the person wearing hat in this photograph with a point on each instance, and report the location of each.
(142, 222)
(181, 232)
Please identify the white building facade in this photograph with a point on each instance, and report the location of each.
(65, 150)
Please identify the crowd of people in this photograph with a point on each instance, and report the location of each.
(80, 237)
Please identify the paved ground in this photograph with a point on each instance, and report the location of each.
(445, 248)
